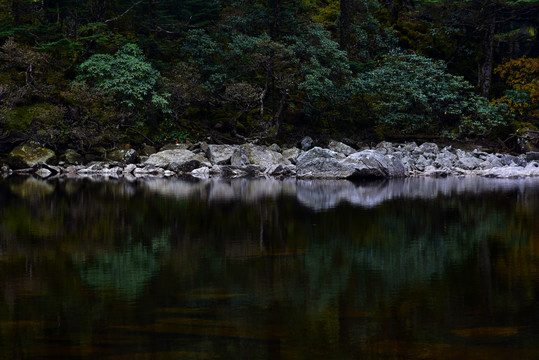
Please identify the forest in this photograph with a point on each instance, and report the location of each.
(86, 73)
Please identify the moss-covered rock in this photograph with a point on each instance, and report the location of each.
(72, 157)
(19, 118)
(129, 156)
(29, 155)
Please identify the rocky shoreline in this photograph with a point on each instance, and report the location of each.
(336, 161)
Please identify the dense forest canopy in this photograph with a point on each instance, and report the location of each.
(84, 73)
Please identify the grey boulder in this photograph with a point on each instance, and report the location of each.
(341, 148)
(220, 154)
(164, 158)
(328, 164)
(263, 157)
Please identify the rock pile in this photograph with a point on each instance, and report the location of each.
(338, 161)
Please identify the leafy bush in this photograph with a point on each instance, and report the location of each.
(323, 66)
(522, 98)
(410, 93)
(126, 74)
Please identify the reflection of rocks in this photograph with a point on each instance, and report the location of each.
(254, 190)
(174, 188)
(323, 194)
(220, 190)
(319, 194)
(32, 188)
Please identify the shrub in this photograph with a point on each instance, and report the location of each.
(126, 74)
(410, 93)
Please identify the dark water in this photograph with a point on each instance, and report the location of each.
(168, 269)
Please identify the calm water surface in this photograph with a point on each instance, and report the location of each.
(263, 269)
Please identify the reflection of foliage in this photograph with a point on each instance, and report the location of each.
(126, 271)
(264, 266)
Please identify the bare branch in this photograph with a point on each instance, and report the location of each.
(125, 12)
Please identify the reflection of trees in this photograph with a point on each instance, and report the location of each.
(126, 271)
(384, 244)
(338, 272)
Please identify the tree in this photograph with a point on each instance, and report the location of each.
(476, 27)
(522, 97)
(300, 67)
(410, 93)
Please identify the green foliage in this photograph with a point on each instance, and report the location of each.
(372, 37)
(126, 74)
(237, 68)
(250, 65)
(178, 136)
(323, 67)
(171, 131)
(412, 93)
(522, 97)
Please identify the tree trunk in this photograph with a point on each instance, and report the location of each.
(407, 5)
(98, 9)
(264, 93)
(345, 21)
(276, 121)
(275, 23)
(484, 76)
(390, 6)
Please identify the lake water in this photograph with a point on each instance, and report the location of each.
(266, 269)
